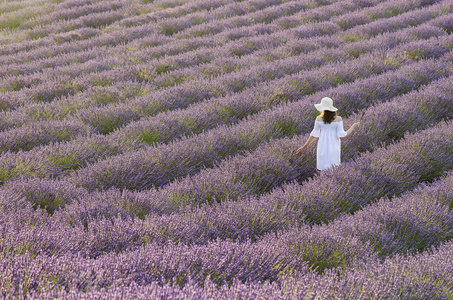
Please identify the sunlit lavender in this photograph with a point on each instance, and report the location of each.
(147, 149)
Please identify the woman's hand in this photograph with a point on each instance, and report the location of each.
(300, 150)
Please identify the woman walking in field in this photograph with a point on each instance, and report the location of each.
(329, 129)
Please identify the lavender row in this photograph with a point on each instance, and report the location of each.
(288, 289)
(86, 33)
(56, 159)
(65, 89)
(185, 14)
(239, 220)
(124, 111)
(59, 60)
(141, 72)
(145, 71)
(263, 15)
(309, 61)
(340, 8)
(81, 49)
(78, 230)
(74, 46)
(146, 106)
(384, 10)
(352, 248)
(266, 16)
(66, 107)
(324, 12)
(63, 11)
(423, 276)
(111, 41)
(236, 33)
(156, 166)
(52, 10)
(36, 87)
(221, 89)
(91, 15)
(126, 35)
(411, 18)
(346, 13)
(273, 163)
(40, 133)
(225, 110)
(418, 221)
(225, 261)
(51, 86)
(156, 12)
(248, 217)
(96, 20)
(13, 15)
(104, 95)
(126, 133)
(107, 95)
(30, 111)
(411, 223)
(313, 27)
(85, 65)
(43, 93)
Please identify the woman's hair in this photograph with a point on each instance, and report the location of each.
(328, 116)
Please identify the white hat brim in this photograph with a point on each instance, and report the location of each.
(321, 107)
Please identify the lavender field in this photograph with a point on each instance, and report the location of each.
(147, 149)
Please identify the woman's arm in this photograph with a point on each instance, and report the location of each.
(351, 129)
(310, 140)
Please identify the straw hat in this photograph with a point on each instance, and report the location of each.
(326, 104)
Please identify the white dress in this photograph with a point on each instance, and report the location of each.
(329, 144)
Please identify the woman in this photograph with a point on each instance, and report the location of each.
(329, 130)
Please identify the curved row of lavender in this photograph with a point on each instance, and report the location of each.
(55, 260)
(191, 226)
(312, 28)
(147, 149)
(59, 157)
(202, 57)
(406, 221)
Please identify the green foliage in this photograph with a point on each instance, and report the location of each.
(48, 201)
(163, 68)
(106, 124)
(11, 21)
(22, 168)
(286, 128)
(69, 161)
(148, 137)
(351, 38)
(167, 4)
(100, 81)
(416, 54)
(169, 29)
(320, 256)
(104, 97)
